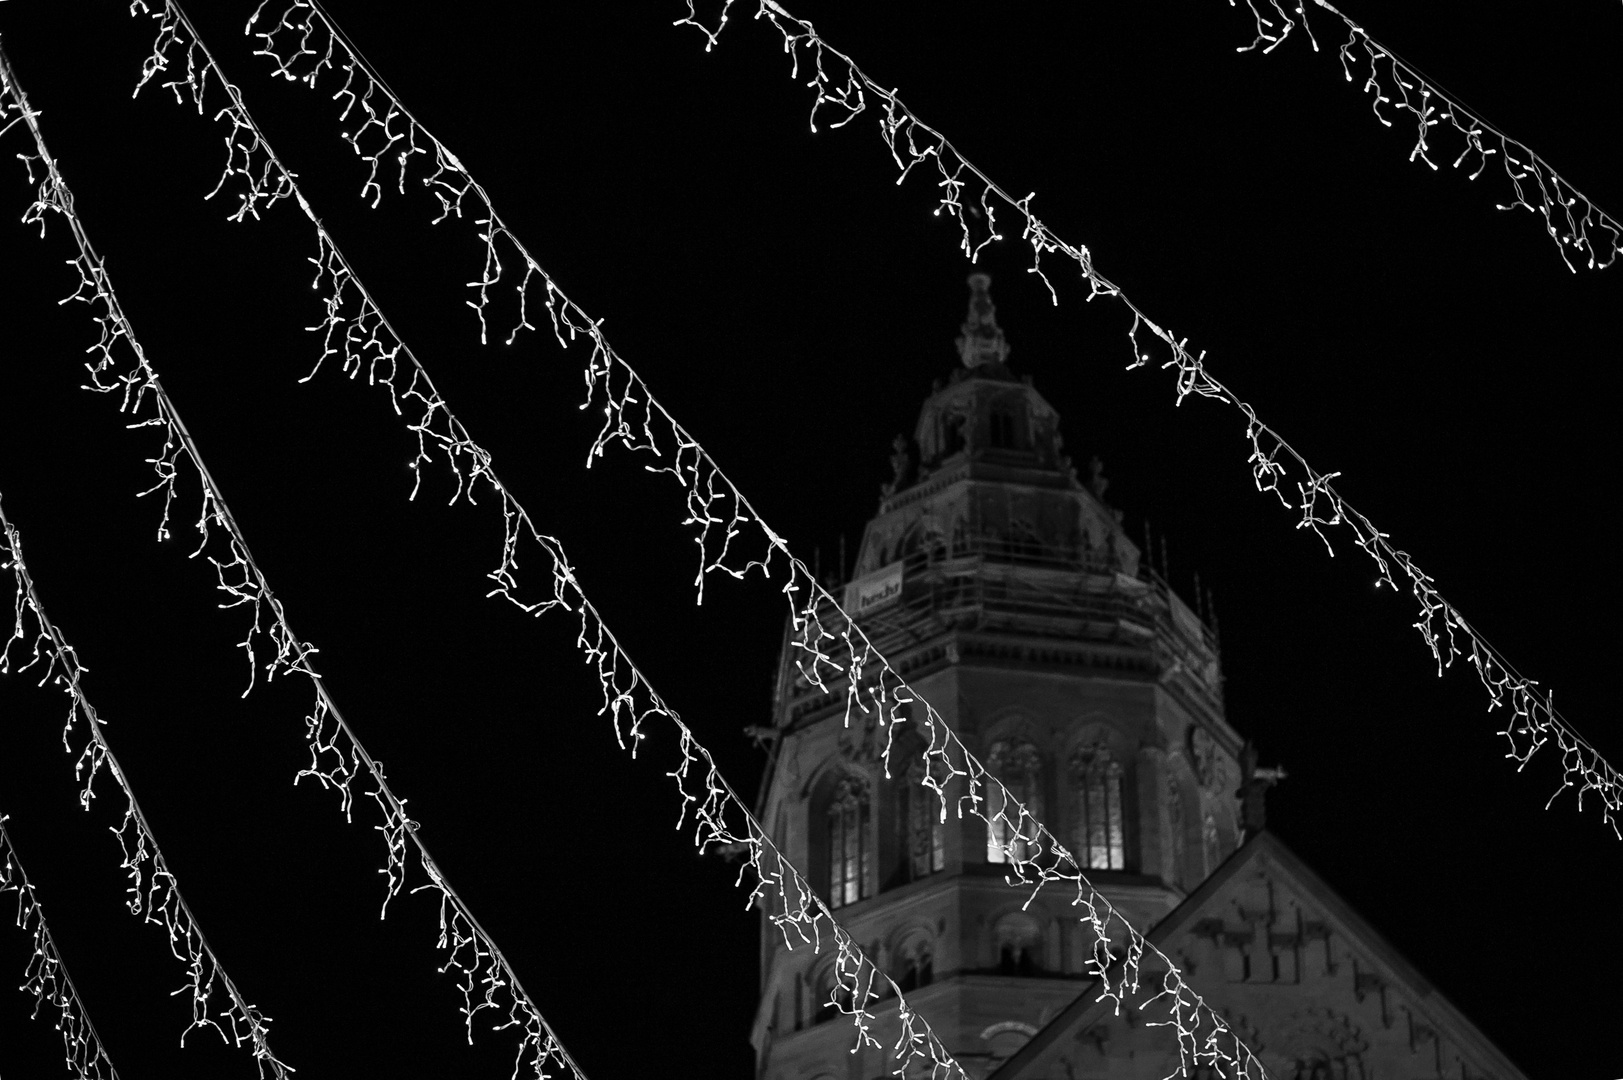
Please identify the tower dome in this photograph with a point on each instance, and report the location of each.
(1008, 595)
(983, 413)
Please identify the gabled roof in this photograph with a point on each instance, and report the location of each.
(1294, 970)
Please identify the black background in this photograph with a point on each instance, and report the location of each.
(791, 306)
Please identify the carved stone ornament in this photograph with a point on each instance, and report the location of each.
(1316, 1043)
(860, 743)
(903, 460)
(1203, 756)
(981, 340)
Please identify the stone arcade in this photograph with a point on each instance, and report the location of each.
(1007, 593)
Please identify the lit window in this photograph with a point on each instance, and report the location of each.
(850, 851)
(1098, 836)
(1011, 832)
(915, 962)
(926, 834)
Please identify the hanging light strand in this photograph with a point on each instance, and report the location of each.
(1579, 228)
(305, 45)
(118, 365)
(46, 976)
(153, 893)
(338, 759)
(1532, 721)
(356, 331)
(732, 539)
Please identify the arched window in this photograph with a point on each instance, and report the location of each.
(850, 849)
(952, 433)
(1177, 840)
(915, 962)
(926, 839)
(834, 996)
(831, 998)
(1019, 941)
(1019, 766)
(1098, 832)
(1003, 1039)
(1003, 432)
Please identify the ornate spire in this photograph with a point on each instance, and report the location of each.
(981, 341)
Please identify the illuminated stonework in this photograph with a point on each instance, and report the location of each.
(1026, 616)
(1314, 991)
(1008, 594)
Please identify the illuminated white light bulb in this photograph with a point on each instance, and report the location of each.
(638, 422)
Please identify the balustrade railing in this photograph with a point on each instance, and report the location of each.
(1026, 587)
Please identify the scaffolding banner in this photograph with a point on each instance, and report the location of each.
(875, 591)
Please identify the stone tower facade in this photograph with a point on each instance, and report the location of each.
(1007, 593)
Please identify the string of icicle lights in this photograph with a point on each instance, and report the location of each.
(119, 366)
(800, 909)
(46, 976)
(1127, 965)
(1533, 721)
(1579, 228)
(154, 893)
(306, 46)
(355, 329)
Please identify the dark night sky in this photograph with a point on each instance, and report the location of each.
(791, 305)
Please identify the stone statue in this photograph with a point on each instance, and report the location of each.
(902, 461)
(1096, 478)
(1254, 785)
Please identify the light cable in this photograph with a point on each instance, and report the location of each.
(485, 979)
(154, 891)
(719, 510)
(305, 45)
(46, 976)
(1570, 218)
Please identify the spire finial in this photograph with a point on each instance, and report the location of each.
(982, 341)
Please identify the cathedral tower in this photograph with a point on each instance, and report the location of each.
(1009, 596)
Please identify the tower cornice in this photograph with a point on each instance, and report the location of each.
(1007, 594)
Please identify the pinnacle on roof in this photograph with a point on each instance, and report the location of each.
(981, 341)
